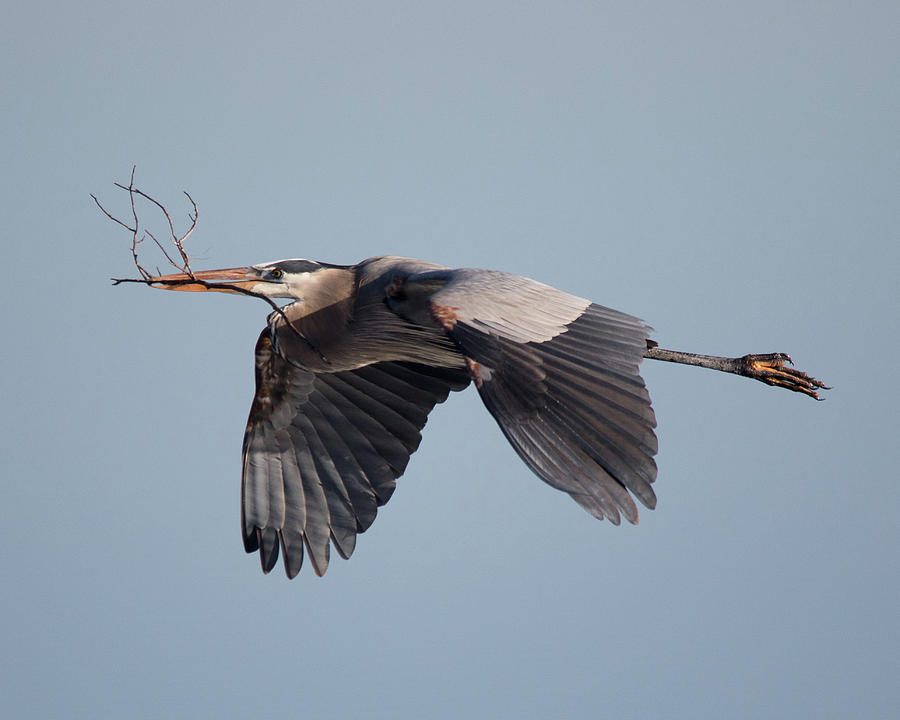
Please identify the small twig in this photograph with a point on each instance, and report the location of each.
(177, 241)
(111, 216)
(135, 240)
(168, 257)
(147, 278)
(134, 229)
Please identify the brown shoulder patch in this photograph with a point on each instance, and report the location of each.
(444, 314)
(478, 372)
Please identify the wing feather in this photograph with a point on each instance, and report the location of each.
(322, 451)
(291, 534)
(561, 377)
(339, 464)
(316, 532)
(392, 435)
(341, 515)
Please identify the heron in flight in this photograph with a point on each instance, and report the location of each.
(347, 373)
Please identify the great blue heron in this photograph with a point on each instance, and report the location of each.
(347, 374)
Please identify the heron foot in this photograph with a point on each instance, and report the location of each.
(772, 369)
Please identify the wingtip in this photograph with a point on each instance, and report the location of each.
(344, 542)
(292, 554)
(320, 563)
(268, 548)
(250, 542)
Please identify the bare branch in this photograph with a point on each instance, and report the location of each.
(193, 217)
(168, 257)
(110, 215)
(133, 229)
(184, 267)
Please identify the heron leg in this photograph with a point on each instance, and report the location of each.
(770, 368)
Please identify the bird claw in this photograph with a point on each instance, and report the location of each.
(772, 369)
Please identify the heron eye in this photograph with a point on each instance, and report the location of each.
(277, 273)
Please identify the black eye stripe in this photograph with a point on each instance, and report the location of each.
(298, 266)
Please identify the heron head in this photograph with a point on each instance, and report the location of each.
(281, 279)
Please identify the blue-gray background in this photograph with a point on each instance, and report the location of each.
(729, 172)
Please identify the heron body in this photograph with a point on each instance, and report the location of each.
(347, 373)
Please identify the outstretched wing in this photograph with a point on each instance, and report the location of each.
(322, 451)
(561, 377)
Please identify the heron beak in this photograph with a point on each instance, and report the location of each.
(225, 280)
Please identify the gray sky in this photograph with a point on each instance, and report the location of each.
(728, 172)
